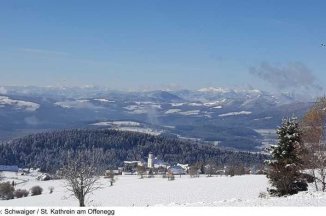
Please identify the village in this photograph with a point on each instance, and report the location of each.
(156, 167)
(153, 167)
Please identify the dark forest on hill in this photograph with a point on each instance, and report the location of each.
(49, 149)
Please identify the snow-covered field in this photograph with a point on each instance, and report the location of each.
(141, 130)
(171, 111)
(235, 113)
(184, 191)
(117, 123)
(190, 112)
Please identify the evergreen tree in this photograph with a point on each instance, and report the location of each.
(284, 168)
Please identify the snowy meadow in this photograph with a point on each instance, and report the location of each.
(130, 190)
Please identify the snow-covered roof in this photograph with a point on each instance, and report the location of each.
(184, 166)
(158, 162)
(176, 170)
(132, 162)
(139, 163)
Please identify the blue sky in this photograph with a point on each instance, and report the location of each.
(158, 44)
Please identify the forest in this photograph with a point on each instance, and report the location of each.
(48, 150)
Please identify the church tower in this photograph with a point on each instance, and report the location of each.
(150, 162)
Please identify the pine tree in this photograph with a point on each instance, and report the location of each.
(284, 168)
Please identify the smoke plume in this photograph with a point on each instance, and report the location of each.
(291, 76)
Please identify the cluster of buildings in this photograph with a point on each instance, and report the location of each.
(152, 166)
(155, 166)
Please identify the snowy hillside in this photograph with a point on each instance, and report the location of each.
(184, 191)
(18, 104)
(27, 110)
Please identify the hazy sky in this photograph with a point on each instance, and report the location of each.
(149, 44)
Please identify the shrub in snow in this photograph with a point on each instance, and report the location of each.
(236, 170)
(36, 190)
(263, 195)
(284, 168)
(51, 189)
(6, 191)
(308, 177)
(19, 193)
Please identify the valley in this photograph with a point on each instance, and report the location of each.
(228, 117)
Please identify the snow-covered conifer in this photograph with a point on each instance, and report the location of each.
(286, 163)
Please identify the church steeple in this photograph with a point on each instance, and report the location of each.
(150, 162)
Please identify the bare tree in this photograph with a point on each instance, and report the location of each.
(230, 170)
(141, 170)
(210, 169)
(170, 176)
(313, 125)
(82, 172)
(193, 171)
(110, 175)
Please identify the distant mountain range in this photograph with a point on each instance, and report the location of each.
(229, 118)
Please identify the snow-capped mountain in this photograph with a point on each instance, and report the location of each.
(18, 104)
(208, 114)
